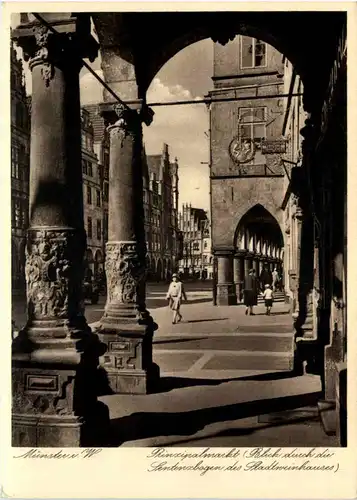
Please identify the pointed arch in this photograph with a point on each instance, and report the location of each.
(258, 218)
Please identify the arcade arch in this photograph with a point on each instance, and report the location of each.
(258, 243)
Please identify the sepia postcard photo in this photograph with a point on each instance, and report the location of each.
(176, 216)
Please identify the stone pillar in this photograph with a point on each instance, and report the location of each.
(126, 326)
(55, 357)
(247, 265)
(238, 273)
(256, 266)
(225, 287)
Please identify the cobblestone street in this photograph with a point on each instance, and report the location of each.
(226, 379)
(225, 382)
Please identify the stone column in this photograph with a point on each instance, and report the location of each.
(256, 266)
(55, 357)
(126, 326)
(247, 264)
(225, 287)
(238, 273)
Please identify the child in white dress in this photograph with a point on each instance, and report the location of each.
(268, 297)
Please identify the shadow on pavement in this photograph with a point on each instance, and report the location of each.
(246, 431)
(170, 383)
(177, 341)
(205, 320)
(153, 303)
(153, 424)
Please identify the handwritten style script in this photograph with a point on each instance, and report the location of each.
(242, 460)
(37, 453)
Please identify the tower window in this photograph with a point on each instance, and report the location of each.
(252, 124)
(253, 53)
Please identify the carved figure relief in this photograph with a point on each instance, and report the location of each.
(127, 124)
(41, 56)
(125, 270)
(47, 273)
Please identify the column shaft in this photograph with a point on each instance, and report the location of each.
(238, 271)
(126, 326)
(54, 396)
(225, 285)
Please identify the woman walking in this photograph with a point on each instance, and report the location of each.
(250, 292)
(174, 295)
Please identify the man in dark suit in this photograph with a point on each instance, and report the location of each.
(250, 293)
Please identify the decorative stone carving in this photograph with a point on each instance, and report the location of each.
(58, 402)
(128, 123)
(48, 272)
(41, 55)
(125, 270)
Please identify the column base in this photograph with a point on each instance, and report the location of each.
(226, 295)
(134, 381)
(54, 387)
(53, 431)
(127, 363)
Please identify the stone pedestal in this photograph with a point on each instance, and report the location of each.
(226, 295)
(238, 274)
(55, 357)
(126, 326)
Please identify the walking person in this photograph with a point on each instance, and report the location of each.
(275, 276)
(268, 296)
(265, 278)
(250, 292)
(174, 295)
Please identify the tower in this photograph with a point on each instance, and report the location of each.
(246, 147)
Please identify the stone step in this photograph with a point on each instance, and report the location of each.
(221, 360)
(258, 360)
(239, 342)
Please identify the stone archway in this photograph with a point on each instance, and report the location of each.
(167, 33)
(258, 243)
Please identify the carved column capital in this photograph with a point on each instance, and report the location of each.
(61, 48)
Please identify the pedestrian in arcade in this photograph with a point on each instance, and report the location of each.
(268, 297)
(275, 277)
(250, 292)
(174, 295)
(265, 278)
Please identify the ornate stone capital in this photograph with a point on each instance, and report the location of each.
(125, 269)
(127, 122)
(62, 48)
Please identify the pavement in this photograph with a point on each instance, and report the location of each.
(226, 379)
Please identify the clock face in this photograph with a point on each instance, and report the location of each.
(241, 150)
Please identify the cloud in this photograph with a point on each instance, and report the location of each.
(91, 90)
(183, 129)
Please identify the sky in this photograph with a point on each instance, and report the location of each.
(186, 76)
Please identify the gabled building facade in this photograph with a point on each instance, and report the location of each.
(20, 164)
